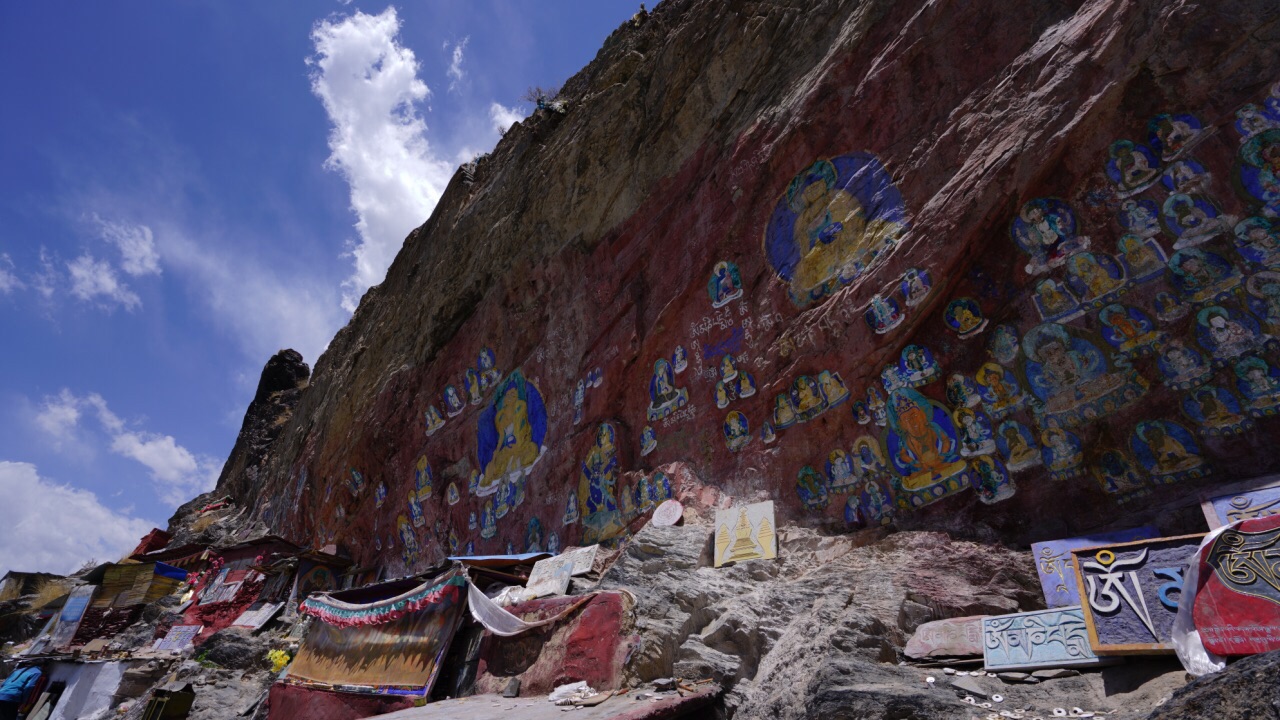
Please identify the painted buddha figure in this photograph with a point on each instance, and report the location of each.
(1099, 282)
(1139, 219)
(664, 396)
(1224, 335)
(516, 451)
(784, 413)
(1216, 413)
(923, 449)
(833, 388)
(1170, 455)
(829, 230)
(1044, 231)
(596, 487)
(1134, 167)
(1002, 392)
(1139, 256)
(434, 421)
(965, 319)
(422, 478)
(1258, 241)
(728, 370)
(808, 400)
(1115, 474)
(1021, 454)
(1258, 383)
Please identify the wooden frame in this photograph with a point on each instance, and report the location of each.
(1095, 643)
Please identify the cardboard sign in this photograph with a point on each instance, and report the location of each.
(584, 558)
(1053, 638)
(1053, 562)
(550, 576)
(179, 638)
(745, 533)
(1255, 498)
(1131, 592)
(257, 615)
(1237, 606)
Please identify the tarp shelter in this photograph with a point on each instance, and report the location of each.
(388, 639)
(90, 687)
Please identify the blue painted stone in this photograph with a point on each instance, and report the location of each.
(1053, 562)
(1036, 640)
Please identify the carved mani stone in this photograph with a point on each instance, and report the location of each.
(1051, 638)
(953, 637)
(1131, 592)
(1053, 562)
(1237, 605)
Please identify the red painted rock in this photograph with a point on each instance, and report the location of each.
(1237, 608)
(953, 637)
(886, 263)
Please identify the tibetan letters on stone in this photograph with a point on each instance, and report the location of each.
(1237, 603)
(1256, 498)
(1131, 592)
(1053, 562)
(1042, 639)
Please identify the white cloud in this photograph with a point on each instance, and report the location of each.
(58, 417)
(369, 87)
(455, 71)
(92, 279)
(264, 310)
(45, 280)
(49, 527)
(136, 244)
(8, 279)
(177, 473)
(503, 117)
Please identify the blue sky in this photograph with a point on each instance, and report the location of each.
(187, 187)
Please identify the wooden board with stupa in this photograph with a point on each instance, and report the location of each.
(745, 533)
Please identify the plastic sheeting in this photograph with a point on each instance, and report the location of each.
(1186, 639)
(90, 688)
(498, 621)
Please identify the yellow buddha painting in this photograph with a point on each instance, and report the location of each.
(836, 217)
(511, 434)
(921, 440)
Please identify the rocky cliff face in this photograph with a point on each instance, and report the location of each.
(919, 264)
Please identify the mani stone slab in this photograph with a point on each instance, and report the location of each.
(1257, 498)
(1053, 562)
(1051, 638)
(1131, 592)
(953, 637)
(1237, 602)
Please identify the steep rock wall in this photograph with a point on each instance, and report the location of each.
(778, 184)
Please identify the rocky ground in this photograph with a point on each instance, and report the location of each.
(818, 633)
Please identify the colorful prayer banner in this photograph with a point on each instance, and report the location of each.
(402, 654)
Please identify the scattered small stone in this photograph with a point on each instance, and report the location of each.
(1013, 676)
(1055, 673)
(967, 686)
(931, 680)
(948, 671)
(664, 684)
(512, 689)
